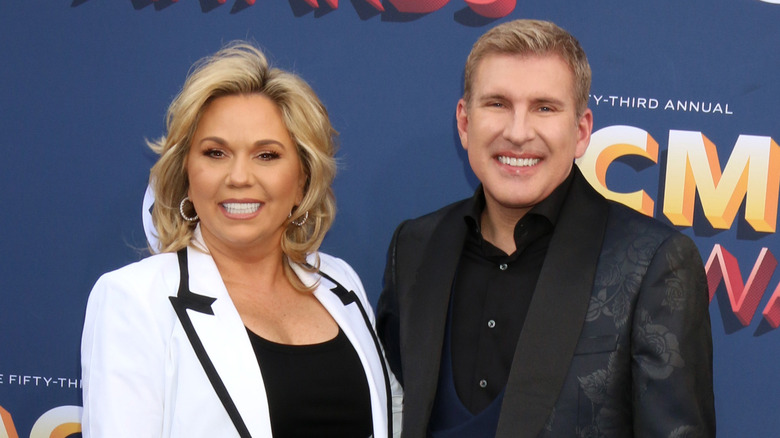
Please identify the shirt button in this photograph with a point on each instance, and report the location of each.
(483, 383)
(491, 323)
(502, 266)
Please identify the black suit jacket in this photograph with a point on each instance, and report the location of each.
(617, 340)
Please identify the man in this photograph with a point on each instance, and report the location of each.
(537, 307)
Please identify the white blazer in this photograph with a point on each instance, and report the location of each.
(142, 378)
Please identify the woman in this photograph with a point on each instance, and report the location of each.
(239, 327)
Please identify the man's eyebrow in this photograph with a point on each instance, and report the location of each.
(492, 96)
(549, 100)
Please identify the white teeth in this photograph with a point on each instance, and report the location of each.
(241, 208)
(518, 162)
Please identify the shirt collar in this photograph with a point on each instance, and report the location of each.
(549, 208)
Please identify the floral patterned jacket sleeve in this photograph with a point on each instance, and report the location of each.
(643, 366)
(671, 346)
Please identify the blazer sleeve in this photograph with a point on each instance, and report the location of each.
(672, 346)
(388, 322)
(396, 391)
(398, 405)
(122, 360)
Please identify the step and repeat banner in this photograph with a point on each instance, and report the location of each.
(685, 95)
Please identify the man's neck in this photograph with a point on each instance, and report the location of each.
(498, 227)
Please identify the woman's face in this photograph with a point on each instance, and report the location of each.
(244, 172)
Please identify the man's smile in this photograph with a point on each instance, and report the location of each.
(518, 162)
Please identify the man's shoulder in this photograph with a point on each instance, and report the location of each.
(622, 216)
(627, 226)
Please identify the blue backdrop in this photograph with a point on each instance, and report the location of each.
(84, 82)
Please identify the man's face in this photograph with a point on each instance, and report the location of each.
(521, 129)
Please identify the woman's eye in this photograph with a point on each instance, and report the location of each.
(214, 153)
(267, 156)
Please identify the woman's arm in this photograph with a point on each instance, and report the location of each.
(122, 360)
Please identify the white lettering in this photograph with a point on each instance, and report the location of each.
(650, 103)
(40, 381)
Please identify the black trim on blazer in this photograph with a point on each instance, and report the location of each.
(184, 300)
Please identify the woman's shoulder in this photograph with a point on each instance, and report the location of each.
(336, 268)
(144, 268)
(332, 265)
(340, 271)
(149, 275)
(131, 304)
(327, 259)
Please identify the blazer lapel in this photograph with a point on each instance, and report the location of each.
(227, 344)
(555, 317)
(422, 332)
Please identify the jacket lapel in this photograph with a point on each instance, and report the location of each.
(555, 317)
(227, 344)
(422, 332)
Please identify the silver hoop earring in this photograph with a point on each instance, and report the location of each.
(301, 221)
(181, 210)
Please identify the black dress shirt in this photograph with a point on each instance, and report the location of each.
(492, 292)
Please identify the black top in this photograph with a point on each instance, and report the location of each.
(315, 390)
(491, 295)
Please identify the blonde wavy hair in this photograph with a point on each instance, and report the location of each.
(241, 68)
(532, 38)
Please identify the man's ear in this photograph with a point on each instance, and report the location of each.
(584, 129)
(462, 118)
